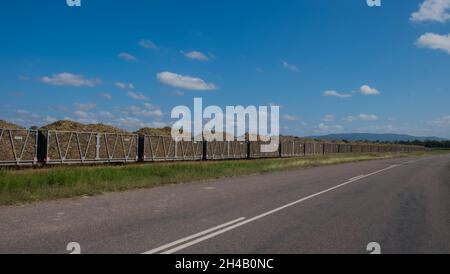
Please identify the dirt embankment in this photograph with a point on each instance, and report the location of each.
(154, 131)
(66, 125)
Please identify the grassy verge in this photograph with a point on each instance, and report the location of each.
(63, 182)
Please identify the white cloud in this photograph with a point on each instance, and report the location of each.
(150, 113)
(59, 108)
(135, 123)
(442, 122)
(328, 118)
(130, 109)
(289, 117)
(367, 90)
(107, 96)
(81, 119)
(362, 117)
(130, 122)
(328, 128)
(81, 114)
(130, 117)
(69, 79)
(333, 93)
(381, 129)
(28, 119)
(22, 111)
(150, 106)
(49, 119)
(137, 96)
(196, 55)
(106, 114)
(124, 86)
(26, 114)
(185, 82)
(149, 110)
(85, 107)
(147, 44)
(127, 57)
(286, 65)
(435, 41)
(432, 10)
(129, 87)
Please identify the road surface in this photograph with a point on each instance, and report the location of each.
(401, 204)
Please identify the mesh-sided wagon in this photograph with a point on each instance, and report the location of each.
(222, 150)
(256, 152)
(292, 148)
(314, 148)
(330, 148)
(71, 147)
(165, 148)
(18, 147)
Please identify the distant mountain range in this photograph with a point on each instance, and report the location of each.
(376, 137)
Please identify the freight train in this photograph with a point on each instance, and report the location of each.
(52, 147)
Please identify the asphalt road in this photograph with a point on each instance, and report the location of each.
(401, 204)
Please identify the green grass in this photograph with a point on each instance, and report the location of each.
(22, 186)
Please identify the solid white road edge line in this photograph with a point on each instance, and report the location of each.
(229, 226)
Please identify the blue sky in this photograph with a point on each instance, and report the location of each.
(333, 66)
